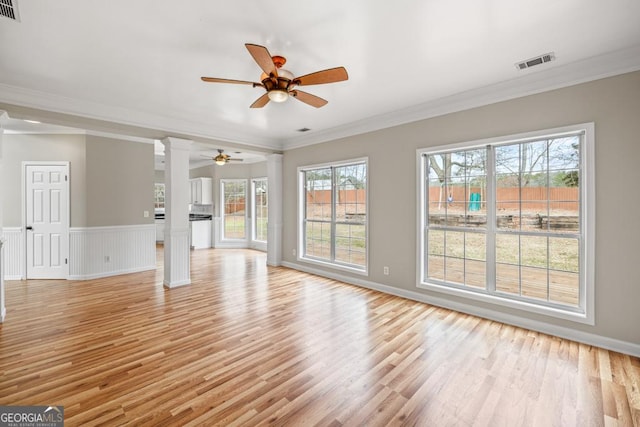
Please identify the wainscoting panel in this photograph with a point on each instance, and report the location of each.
(13, 249)
(109, 251)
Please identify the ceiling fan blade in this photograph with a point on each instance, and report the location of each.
(263, 58)
(237, 82)
(261, 102)
(331, 75)
(233, 159)
(307, 98)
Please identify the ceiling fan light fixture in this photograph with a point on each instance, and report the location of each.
(220, 159)
(278, 95)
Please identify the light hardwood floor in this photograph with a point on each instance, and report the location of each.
(247, 344)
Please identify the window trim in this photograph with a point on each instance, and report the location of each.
(300, 252)
(223, 237)
(254, 218)
(583, 314)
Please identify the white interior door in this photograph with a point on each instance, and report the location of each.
(47, 220)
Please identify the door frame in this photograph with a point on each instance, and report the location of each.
(67, 166)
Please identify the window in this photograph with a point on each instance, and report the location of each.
(234, 195)
(510, 220)
(159, 196)
(333, 212)
(260, 209)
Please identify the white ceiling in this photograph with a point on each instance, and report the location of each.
(134, 67)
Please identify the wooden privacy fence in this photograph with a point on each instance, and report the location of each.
(565, 198)
(237, 206)
(344, 196)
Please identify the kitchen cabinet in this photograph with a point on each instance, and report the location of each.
(200, 234)
(201, 189)
(159, 230)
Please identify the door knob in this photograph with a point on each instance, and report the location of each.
(29, 227)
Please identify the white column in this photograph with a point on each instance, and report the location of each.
(274, 201)
(176, 212)
(3, 308)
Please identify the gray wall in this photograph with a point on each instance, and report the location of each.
(120, 182)
(19, 148)
(612, 103)
(202, 172)
(111, 180)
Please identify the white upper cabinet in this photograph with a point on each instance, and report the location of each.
(201, 191)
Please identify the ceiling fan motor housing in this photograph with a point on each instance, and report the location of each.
(282, 82)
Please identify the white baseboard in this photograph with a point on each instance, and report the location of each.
(259, 246)
(176, 284)
(224, 244)
(109, 273)
(613, 344)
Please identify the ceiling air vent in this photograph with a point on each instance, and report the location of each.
(532, 62)
(9, 9)
(304, 130)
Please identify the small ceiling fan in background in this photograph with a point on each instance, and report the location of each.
(222, 159)
(279, 83)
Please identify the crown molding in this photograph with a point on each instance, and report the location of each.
(167, 125)
(47, 131)
(533, 82)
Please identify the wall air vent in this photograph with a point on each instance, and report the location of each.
(9, 9)
(304, 130)
(532, 62)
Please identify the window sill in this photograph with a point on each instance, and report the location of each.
(580, 317)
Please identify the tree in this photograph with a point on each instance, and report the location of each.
(315, 176)
(566, 179)
(446, 166)
(440, 164)
(524, 161)
(353, 175)
(531, 161)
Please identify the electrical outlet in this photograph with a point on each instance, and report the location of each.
(293, 252)
(145, 214)
(385, 270)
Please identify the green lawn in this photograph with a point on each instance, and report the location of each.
(557, 253)
(350, 242)
(234, 227)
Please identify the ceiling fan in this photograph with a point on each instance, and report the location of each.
(222, 159)
(279, 83)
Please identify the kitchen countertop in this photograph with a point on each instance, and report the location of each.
(192, 217)
(200, 217)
